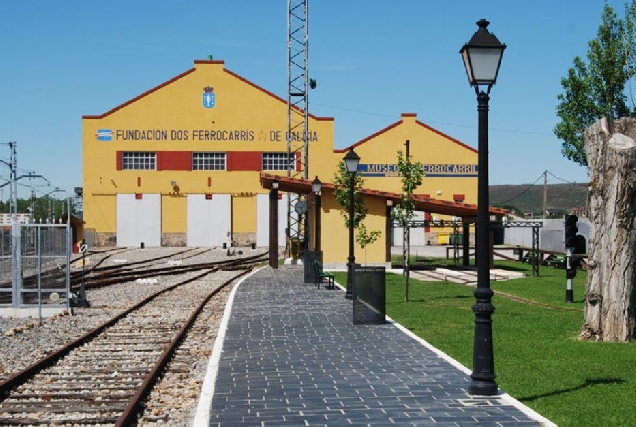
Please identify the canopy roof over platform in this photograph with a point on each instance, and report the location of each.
(425, 204)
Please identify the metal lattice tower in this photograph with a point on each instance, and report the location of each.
(297, 106)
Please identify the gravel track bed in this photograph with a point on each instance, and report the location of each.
(174, 399)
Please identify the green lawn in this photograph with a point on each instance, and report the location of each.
(538, 357)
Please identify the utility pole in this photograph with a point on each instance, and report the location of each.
(545, 194)
(16, 286)
(14, 182)
(16, 250)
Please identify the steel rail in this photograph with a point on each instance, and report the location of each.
(135, 404)
(20, 377)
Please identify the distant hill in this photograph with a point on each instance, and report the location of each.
(528, 198)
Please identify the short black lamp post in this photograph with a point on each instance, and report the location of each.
(316, 186)
(482, 58)
(273, 225)
(351, 160)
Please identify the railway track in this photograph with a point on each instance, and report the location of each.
(120, 270)
(173, 264)
(104, 376)
(52, 272)
(104, 272)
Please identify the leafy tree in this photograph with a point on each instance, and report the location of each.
(365, 237)
(597, 87)
(593, 90)
(41, 208)
(341, 193)
(412, 175)
(342, 181)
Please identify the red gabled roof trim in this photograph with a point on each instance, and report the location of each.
(391, 126)
(456, 141)
(137, 98)
(254, 85)
(380, 132)
(209, 61)
(172, 80)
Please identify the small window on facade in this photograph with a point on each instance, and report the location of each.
(208, 161)
(279, 161)
(139, 160)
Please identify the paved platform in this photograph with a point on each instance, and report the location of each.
(288, 355)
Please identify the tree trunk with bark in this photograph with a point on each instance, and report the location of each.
(609, 298)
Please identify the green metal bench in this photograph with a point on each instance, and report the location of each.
(557, 261)
(529, 258)
(321, 274)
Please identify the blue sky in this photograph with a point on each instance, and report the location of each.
(373, 60)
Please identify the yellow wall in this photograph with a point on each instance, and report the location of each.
(102, 211)
(172, 218)
(426, 146)
(245, 208)
(335, 237)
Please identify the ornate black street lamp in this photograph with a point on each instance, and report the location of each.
(482, 58)
(351, 160)
(316, 186)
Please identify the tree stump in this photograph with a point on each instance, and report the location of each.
(609, 298)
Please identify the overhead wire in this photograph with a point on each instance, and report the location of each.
(561, 179)
(562, 191)
(525, 190)
(393, 116)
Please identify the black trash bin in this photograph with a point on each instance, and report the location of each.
(369, 295)
(308, 263)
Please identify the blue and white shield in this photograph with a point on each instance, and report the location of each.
(209, 99)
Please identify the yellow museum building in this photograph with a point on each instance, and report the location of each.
(190, 163)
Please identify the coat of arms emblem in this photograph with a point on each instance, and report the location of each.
(209, 97)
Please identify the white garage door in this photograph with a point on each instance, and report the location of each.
(262, 219)
(209, 220)
(138, 220)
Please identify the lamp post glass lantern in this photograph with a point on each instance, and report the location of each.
(351, 160)
(482, 58)
(316, 185)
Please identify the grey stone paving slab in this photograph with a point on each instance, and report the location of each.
(292, 357)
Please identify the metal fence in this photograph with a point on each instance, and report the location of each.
(551, 235)
(34, 265)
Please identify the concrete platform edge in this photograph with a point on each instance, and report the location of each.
(504, 396)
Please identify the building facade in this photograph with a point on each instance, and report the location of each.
(181, 164)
